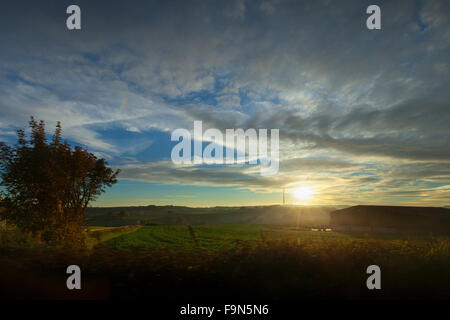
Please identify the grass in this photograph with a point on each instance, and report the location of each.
(232, 261)
(13, 237)
(208, 237)
(97, 235)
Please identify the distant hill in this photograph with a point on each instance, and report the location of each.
(392, 218)
(119, 216)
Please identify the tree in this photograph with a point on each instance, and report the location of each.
(47, 185)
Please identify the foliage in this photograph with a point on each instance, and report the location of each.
(13, 237)
(48, 185)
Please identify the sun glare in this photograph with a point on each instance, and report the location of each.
(303, 193)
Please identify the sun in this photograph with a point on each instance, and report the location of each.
(303, 193)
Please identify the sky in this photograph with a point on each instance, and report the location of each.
(363, 115)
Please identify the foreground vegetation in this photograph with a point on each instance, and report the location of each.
(216, 237)
(246, 262)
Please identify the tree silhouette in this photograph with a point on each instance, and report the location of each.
(47, 185)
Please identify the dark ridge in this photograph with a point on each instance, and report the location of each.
(392, 218)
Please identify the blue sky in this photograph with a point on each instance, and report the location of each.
(363, 114)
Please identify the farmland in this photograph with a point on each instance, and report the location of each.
(217, 237)
(218, 261)
(273, 262)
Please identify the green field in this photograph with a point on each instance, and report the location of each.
(227, 261)
(203, 237)
(97, 235)
(226, 236)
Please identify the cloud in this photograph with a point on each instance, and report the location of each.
(342, 96)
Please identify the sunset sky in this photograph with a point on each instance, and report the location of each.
(364, 115)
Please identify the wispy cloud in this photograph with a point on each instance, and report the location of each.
(362, 115)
